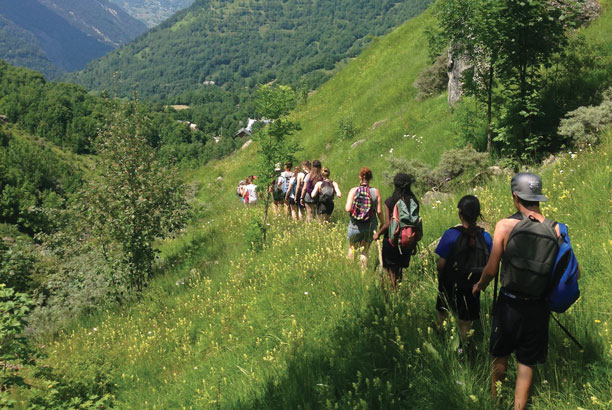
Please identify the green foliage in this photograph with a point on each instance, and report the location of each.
(470, 123)
(14, 347)
(433, 79)
(274, 104)
(132, 199)
(240, 45)
(346, 128)
(584, 125)
(510, 46)
(17, 265)
(33, 176)
(454, 163)
(90, 387)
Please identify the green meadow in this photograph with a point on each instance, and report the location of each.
(297, 325)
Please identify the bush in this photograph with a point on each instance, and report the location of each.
(583, 125)
(453, 164)
(347, 129)
(470, 124)
(17, 265)
(14, 347)
(433, 79)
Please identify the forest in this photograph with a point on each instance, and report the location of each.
(213, 55)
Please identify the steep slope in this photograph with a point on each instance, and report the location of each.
(297, 325)
(152, 12)
(22, 48)
(100, 19)
(68, 33)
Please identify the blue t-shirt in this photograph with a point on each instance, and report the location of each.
(447, 242)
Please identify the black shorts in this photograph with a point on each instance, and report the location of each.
(325, 208)
(392, 258)
(459, 301)
(521, 327)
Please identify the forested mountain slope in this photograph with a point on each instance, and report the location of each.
(212, 55)
(152, 12)
(245, 42)
(65, 34)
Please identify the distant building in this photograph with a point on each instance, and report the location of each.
(248, 130)
(243, 132)
(4, 118)
(208, 82)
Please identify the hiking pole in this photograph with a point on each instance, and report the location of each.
(380, 260)
(494, 295)
(567, 332)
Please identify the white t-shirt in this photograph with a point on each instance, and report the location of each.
(252, 191)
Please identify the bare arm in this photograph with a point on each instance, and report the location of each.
(379, 212)
(441, 264)
(315, 190)
(337, 189)
(385, 225)
(349, 200)
(502, 230)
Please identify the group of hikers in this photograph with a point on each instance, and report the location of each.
(526, 244)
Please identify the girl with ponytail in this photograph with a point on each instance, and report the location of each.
(464, 251)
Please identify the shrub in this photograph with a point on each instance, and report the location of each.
(433, 79)
(453, 164)
(347, 129)
(583, 125)
(17, 265)
(14, 347)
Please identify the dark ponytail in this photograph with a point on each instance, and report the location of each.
(469, 208)
(403, 189)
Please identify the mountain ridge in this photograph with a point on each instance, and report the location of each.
(54, 35)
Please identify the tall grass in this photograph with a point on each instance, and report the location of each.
(297, 325)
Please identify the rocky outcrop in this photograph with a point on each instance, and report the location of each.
(457, 64)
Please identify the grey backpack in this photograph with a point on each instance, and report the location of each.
(326, 192)
(530, 257)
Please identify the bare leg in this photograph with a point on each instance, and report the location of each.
(363, 257)
(498, 374)
(524, 379)
(309, 212)
(351, 251)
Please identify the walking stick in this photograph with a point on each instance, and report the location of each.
(380, 260)
(567, 332)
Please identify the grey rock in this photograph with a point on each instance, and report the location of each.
(357, 143)
(432, 197)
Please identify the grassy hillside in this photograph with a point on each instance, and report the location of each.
(299, 326)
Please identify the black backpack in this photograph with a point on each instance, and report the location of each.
(326, 192)
(468, 258)
(529, 258)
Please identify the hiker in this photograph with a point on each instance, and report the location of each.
(394, 258)
(249, 191)
(309, 182)
(240, 189)
(464, 251)
(276, 188)
(285, 178)
(526, 245)
(300, 187)
(324, 192)
(290, 195)
(364, 207)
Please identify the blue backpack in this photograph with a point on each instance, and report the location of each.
(565, 289)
